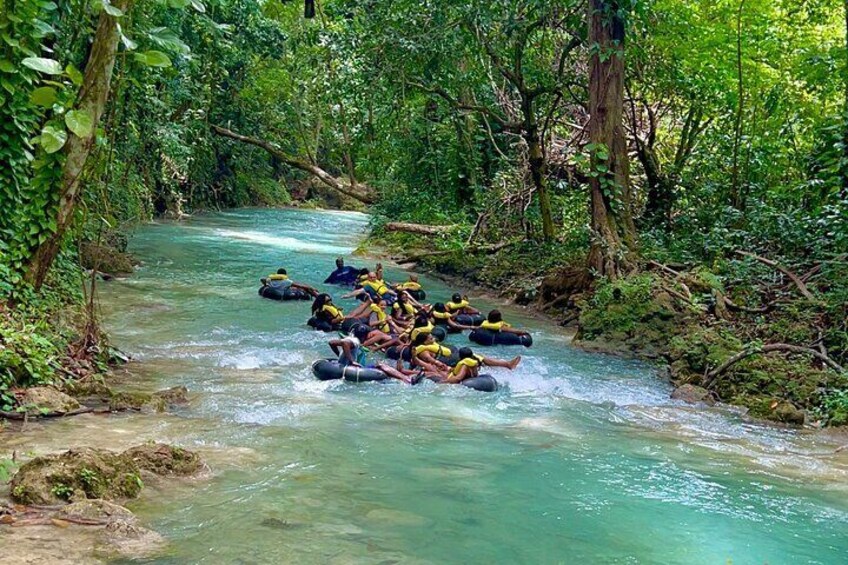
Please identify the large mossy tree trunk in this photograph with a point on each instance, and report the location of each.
(92, 98)
(614, 234)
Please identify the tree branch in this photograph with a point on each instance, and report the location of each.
(314, 170)
(792, 276)
(769, 348)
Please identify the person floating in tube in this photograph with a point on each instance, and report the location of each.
(350, 353)
(469, 365)
(459, 305)
(324, 310)
(343, 275)
(280, 280)
(495, 323)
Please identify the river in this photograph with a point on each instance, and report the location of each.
(580, 458)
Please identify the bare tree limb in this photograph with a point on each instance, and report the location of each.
(792, 276)
(421, 229)
(769, 348)
(314, 170)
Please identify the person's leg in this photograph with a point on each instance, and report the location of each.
(511, 364)
(393, 373)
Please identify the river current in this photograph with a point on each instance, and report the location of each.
(579, 458)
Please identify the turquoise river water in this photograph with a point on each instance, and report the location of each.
(580, 458)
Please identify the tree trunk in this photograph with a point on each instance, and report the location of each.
(538, 166)
(614, 235)
(92, 97)
(737, 199)
(660, 199)
(845, 111)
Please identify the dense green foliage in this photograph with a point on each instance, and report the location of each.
(468, 113)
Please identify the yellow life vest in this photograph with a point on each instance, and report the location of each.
(409, 285)
(471, 363)
(451, 306)
(276, 277)
(433, 348)
(381, 317)
(441, 315)
(407, 308)
(421, 330)
(377, 286)
(335, 313)
(494, 326)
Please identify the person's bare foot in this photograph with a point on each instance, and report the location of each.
(514, 363)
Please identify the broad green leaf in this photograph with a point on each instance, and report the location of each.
(53, 139)
(79, 122)
(44, 96)
(198, 5)
(153, 59)
(74, 74)
(7, 66)
(40, 64)
(128, 43)
(112, 10)
(166, 38)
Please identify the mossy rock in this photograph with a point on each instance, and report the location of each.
(122, 401)
(144, 401)
(87, 388)
(693, 394)
(90, 473)
(45, 399)
(74, 475)
(163, 459)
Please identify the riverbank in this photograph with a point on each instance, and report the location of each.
(772, 359)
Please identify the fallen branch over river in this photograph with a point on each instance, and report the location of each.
(421, 229)
(357, 192)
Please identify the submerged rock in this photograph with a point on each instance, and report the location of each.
(693, 394)
(163, 459)
(143, 401)
(90, 473)
(787, 413)
(41, 399)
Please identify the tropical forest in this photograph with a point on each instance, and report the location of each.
(539, 281)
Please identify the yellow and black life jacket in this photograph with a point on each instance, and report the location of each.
(494, 326)
(381, 317)
(334, 314)
(434, 349)
(377, 286)
(421, 330)
(276, 277)
(441, 315)
(471, 363)
(451, 306)
(409, 285)
(408, 308)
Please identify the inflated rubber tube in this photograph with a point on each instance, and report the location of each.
(289, 293)
(469, 319)
(322, 325)
(483, 383)
(418, 295)
(405, 353)
(330, 369)
(349, 324)
(439, 333)
(488, 337)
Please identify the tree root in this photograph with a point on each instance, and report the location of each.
(792, 276)
(769, 348)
